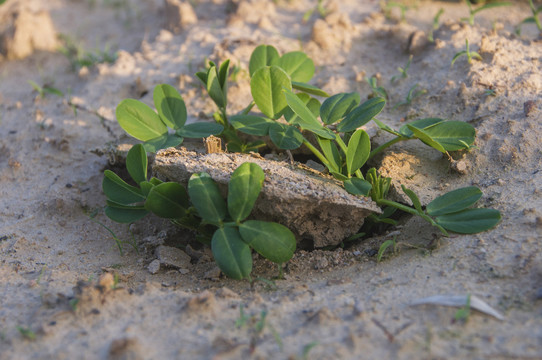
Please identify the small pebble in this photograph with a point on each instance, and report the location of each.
(154, 266)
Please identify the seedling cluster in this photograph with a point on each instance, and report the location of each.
(290, 115)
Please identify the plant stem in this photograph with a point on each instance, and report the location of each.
(316, 152)
(248, 108)
(386, 145)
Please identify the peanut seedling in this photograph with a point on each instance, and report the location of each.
(469, 54)
(474, 11)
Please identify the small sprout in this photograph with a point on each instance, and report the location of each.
(73, 303)
(462, 315)
(490, 92)
(387, 8)
(307, 348)
(79, 57)
(27, 333)
(45, 89)
(412, 94)
(436, 25)
(473, 11)
(385, 245)
(242, 319)
(378, 91)
(470, 54)
(402, 72)
(322, 11)
(531, 19)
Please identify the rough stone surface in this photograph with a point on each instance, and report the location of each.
(154, 266)
(173, 257)
(312, 206)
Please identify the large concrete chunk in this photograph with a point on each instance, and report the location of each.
(313, 206)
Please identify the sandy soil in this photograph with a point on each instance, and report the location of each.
(57, 266)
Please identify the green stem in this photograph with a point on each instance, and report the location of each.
(316, 152)
(248, 108)
(412, 211)
(386, 145)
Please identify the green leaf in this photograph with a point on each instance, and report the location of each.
(414, 198)
(266, 86)
(273, 241)
(385, 245)
(136, 163)
(168, 200)
(309, 89)
(331, 152)
(262, 56)
(119, 191)
(470, 221)
(200, 130)
(214, 88)
(312, 104)
(162, 142)
(420, 124)
(362, 114)
(457, 56)
(223, 75)
(245, 185)
(452, 135)
(338, 106)
(357, 186)
(285, 137)
(305, 118)
(139, 120)
(386, 128)
(251, 124)
(426, 138)
(339, 176)
(124, 214)
(146, 187)
(170, 106)
(206, 198)
(358, 150)
(231, 253)
(454, 201)
(298, 65)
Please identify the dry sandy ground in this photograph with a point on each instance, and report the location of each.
(338, 304)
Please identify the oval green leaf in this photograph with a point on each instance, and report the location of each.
(338, 106)
(362, 114)
(136, 163)
(231, 253)
(357, 186)
(454, 201)
(420, 124)
(273, 241)
(426, 138)
(124, 214)
(305, 118)
(309, 89)
(214, 88)
(200, 130)
(170, 106)
(251, 124)
(311, 103)
(245, 185)
(452, 135)
(119, 191)
(298, 65)
(206, 198)
(470, 221)
(331, 152)
(168, 200)
(262, 56)
(358, 150)
(285, 137)
(139, 120)
(266, 87)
